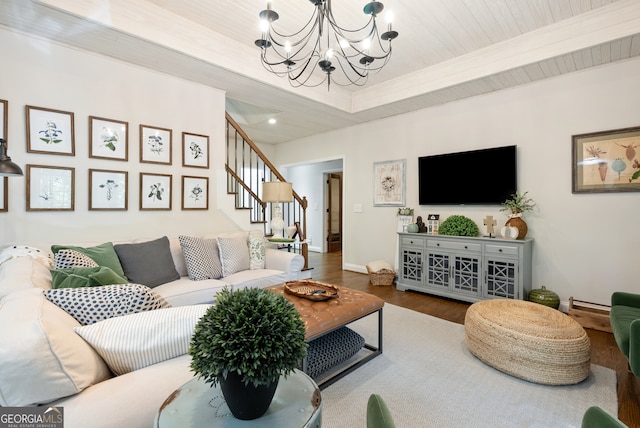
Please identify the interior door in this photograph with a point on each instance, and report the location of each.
(334, 212)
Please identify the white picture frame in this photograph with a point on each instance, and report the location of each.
(389, 183)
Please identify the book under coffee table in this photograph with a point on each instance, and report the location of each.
(326, 320)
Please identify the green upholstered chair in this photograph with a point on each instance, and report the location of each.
(378, 415)
(625, 324)
(595, 417)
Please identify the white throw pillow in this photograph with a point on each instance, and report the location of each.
(134, 341)
(42, 359)
(256, 250)
(234, 252)
(22, 268)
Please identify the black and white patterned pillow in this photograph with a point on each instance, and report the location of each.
(201, 257)
(234, 253)
(66, 259)
(93, 304)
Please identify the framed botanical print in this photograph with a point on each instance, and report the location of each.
(50, 188)
(108, 190)
(606, 161)
(155, 145)
(4, 194)
(155, 191)
(195, 193)
(4, 117)
(389, 183)
(195, 150)
(50, 131)
(108, 138)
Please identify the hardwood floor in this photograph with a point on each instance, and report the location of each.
(327, 267)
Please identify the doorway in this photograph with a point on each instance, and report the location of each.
(334, 212)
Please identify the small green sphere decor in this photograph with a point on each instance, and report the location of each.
(458, 225)
(245, 342)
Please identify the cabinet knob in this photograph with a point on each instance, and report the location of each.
(499, 250)
(438, 244)
(466, 248)
(412, 242)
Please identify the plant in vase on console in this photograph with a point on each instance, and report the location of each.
(519, 204)
(245, 342)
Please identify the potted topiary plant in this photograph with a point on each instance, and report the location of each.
(458, 225)
(245, 342)
(519, 204)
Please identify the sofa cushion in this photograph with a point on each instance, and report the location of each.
(201, 257)
(65, 259)
(42, 358)
(621, 318)
(85, 277)
(93, 304)
(234, 252)
(257, 278)
(23, 268)
(187, 292)
(149, 263)
(103, 255)
(134, 341)
(256, 249)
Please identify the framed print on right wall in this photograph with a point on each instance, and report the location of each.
(108, 138)
(50, 131)
(50, 188)
(606, 161)
(195, 150)
(155, 191)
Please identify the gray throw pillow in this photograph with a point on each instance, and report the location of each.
(149, 263)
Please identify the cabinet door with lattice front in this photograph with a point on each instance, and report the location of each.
(466, 276)
(501, 278)
(411, 265)
(438, 267)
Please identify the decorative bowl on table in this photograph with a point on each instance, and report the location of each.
(312, 290)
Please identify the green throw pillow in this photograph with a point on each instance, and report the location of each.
(103, 254)
(85, 277)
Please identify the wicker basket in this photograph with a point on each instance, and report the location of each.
(381, 273)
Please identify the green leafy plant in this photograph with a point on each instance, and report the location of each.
(253, 332)
(458, 225)
(519, 203)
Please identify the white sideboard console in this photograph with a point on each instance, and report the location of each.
(464, 268)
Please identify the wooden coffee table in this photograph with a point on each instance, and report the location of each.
(323, 317)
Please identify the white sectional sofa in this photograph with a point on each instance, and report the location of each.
(117, 371)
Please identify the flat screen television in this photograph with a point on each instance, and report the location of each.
(477, 177)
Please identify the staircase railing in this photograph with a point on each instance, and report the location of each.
(247, 168)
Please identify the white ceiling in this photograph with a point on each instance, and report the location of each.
(447, 50)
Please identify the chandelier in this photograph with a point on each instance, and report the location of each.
(311, 56)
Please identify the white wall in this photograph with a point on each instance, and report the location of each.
(585, 244)
(39, 73)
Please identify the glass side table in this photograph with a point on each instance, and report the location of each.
(297, 403)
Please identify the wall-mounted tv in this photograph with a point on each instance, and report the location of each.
(477, 177)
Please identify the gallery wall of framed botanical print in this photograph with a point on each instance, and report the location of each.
(108, 139)
(50, 131)
(195, 193)
(195, 150)
(155, 191)
(50, 188)
(155, 145)
(108, 190)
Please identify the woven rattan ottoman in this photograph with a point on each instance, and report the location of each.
(529, 341)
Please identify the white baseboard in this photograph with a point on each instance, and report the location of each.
(355, 268)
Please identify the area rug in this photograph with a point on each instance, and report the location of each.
(428, 378)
